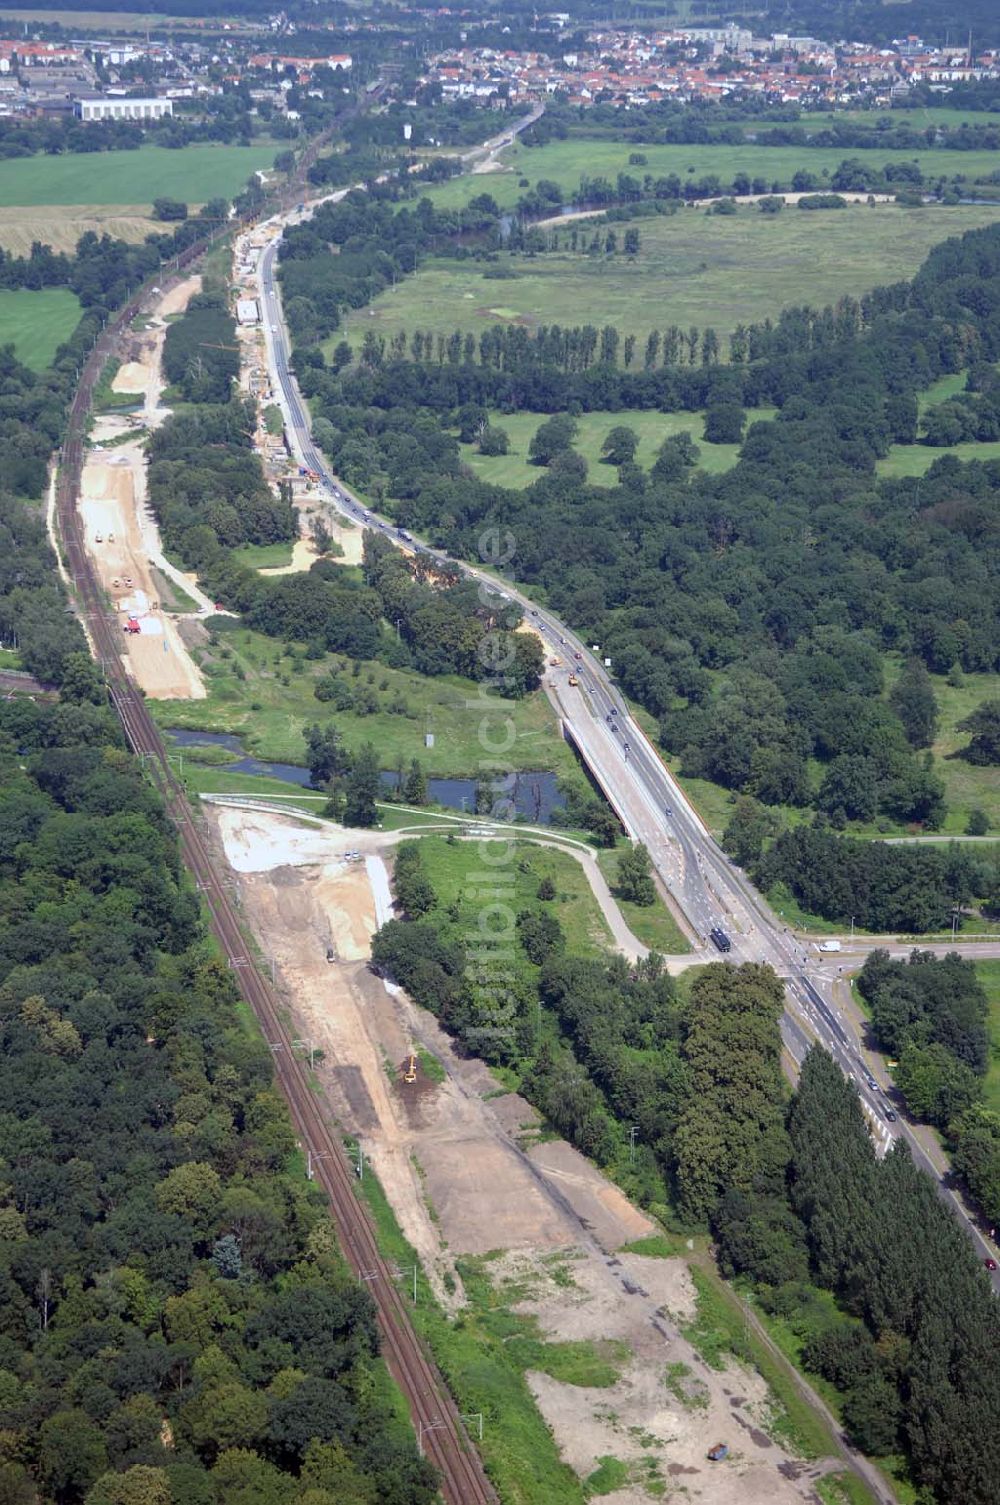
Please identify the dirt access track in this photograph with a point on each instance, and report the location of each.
(467, 1173)
(119, 531)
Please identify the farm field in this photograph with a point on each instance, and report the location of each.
(565, 162)
(514, 469)
(692, 268)
(194, 174)
(37, 323)
(261, 694)
(60, 226)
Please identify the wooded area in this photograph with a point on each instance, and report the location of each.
(176, 1323)
(931, 1014)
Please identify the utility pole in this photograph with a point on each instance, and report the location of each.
(476, 1416)
(313, 1158)
(423, 1429)
(410, 1270)
(310, 1047)
(633, 1131)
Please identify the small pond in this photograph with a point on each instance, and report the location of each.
(535, 795)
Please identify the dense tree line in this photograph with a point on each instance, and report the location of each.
(449, 625)
(882, 888)
(206, 484)
(910, 1346)
(32, 610)
(208, 492)
(176, 1324)
(931, 1013)
(376, 242)
(731, 1135)
(200, 354)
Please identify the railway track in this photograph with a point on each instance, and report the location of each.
(440, 1430)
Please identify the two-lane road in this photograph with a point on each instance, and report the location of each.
(710, 891)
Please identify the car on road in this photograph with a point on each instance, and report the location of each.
(890, 1115)
(668, 811)
(990, 1264)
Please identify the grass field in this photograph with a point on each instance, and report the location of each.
(266, 698)
(264, 556)
(917, 459)
(514, 469)
(653, 924)
(194, 174)
(37, 323)
(967, 787)
(565, 162)
(692, 268)
(455, 868)
(918, 120)
(989, 975)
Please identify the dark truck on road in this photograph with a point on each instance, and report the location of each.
(720, 939)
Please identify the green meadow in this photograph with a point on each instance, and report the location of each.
(693, 268)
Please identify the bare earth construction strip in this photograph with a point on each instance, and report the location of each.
(120, 532)
(465, 1175)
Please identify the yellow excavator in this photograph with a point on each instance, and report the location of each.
(410, 1074)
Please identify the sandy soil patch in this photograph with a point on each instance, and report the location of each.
(655, 1428)
(350, 540)
(256, 842)
(131, 376)
(176, 299)
(600, 1204)
(304, 557)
